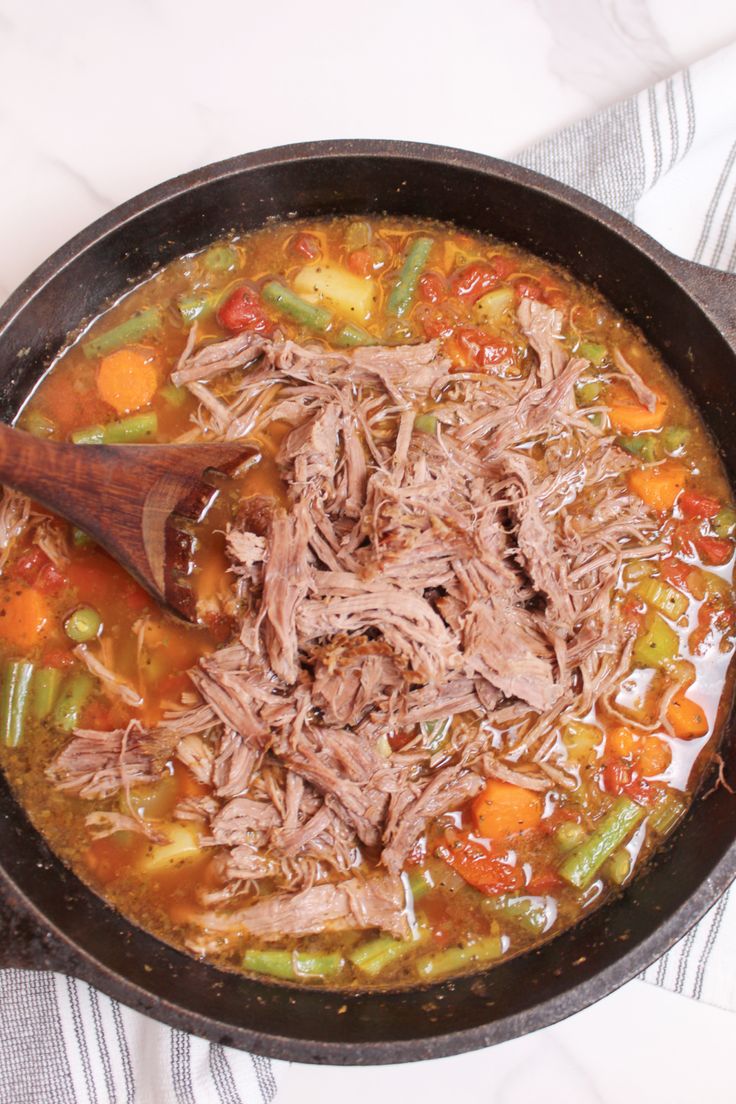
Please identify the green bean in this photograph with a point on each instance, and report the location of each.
(173, 395)
(724, 523)
(38, 424)
(581, 865)
(588, 391)
(593, 352)
(530, 913)
(435, 733)
(126, 431)
(138, 326)
(220, 258)
(375, 955)
(618, 867)
(75, 693)
(674, 439)
(666, 813)
(642, 445)
(44, 690)
(445, 962)
(14, 694)
(83, 624)
(351, 335)
(569, 835)
(306, 314)
(292, 965)
(426, 423)
(402, 296)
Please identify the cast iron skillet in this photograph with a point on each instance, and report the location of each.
(687, 311)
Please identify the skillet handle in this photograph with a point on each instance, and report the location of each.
(715, 291)
(24, 943)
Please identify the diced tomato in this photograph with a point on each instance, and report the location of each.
(528, 289)
(478, 866)
(633, 609)
(473, 280)
(617, 776)
(244, 310)
(29, 565)
(546, 881)
(503, 266)
(306, 245)
(57, 658)
(50, 580)
(714, 619)
(400, 738)
(360, 262)
(696, 505)
(220, 626)
(438, 324)
(431, 287)
(716, 551)
(675, 571)
(483, 349)
(557, 298)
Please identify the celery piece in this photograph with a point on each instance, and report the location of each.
(724, 523)
(133, 329)
(291, 966)
(45, 687)
(80, 539)
(642, 445)
(674, 439)
(220, 258)
(192, 307)
(593, 352)
(445, 962)
(402, 296)
(666, 812)
(657, 643)
(528, 913)
(587, 392)
(357, 235)
(306, 314)
(420, 882)
(662, 596)
(490, 309)
(581, 865)
(426, 423)
(14, 699)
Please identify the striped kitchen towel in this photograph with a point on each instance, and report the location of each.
(665, 159)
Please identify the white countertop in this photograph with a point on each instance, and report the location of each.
(101, 101)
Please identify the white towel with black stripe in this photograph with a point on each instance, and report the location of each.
(665, 159)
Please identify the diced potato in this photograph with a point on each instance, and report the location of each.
(183, 846)
(491, 307)
(350, 295)
(581, 739)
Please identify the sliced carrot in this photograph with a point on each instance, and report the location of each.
(687, 717)
(659, 487)
(25, 617)
(635, 418)
(128, 378)
(503, 809)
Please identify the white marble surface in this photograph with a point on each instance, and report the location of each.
(101, 100)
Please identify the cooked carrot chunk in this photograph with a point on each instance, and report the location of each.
(128, 378)
(503, 809)
(659, 487)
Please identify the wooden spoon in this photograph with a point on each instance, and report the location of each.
(127, 498)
